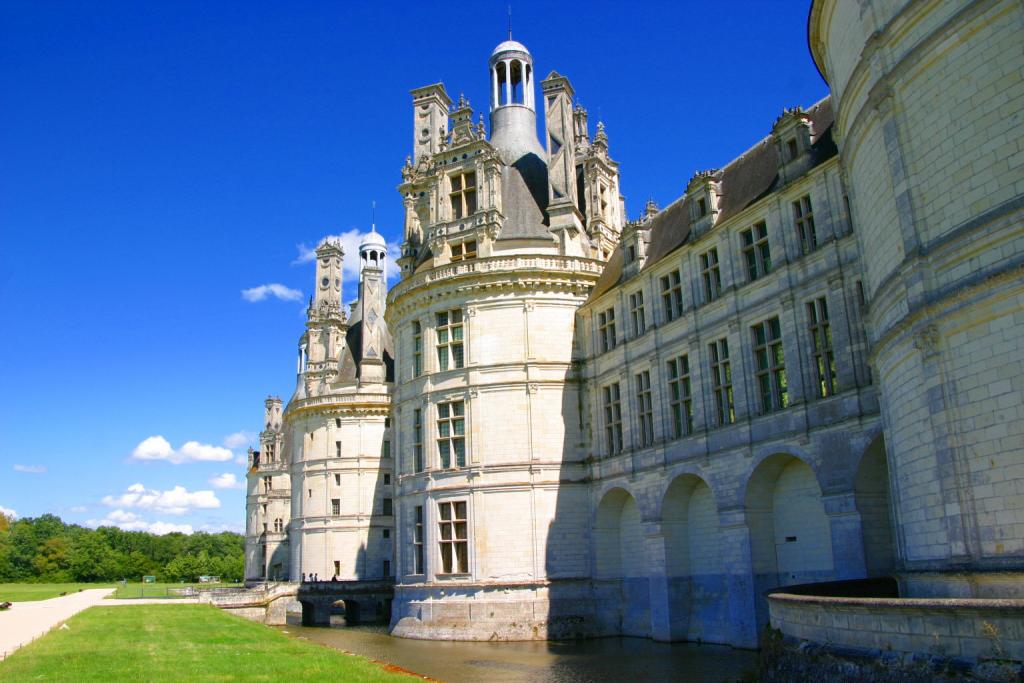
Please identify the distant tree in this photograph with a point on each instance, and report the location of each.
(51, 560)
(6, 521)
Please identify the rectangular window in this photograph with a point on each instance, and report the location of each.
(821, 342)
(449, 339)
(636, 313)
(387, 479)
(672, 295)
(417, 542)
(337, 422)
(803, 217)
(679, 396)
(335, 506)
(387, 568)
(454, 540)
(268, 484)
(769, 365)
(612, 419)
(417, 349)
(337, 449)
(464, 250)
(385, 533)
(606, 329)
(451, 434)
(645, 409)
(702, 207)
(385, 449)
(721, 381)
(792, 148)
(387, 507)
(463, 194)
(337, 567)
(710, 274)
(417, 440)
(337, 480)
(757, 256)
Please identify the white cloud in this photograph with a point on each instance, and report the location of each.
(158, 448)
(129, 521)
(8, 512)
(227, 481)
(240, 439)
(350, 241)
(215, 528)
(176, 501)
(31, 469)
(79, 508)
(241, 460)
(276, 290)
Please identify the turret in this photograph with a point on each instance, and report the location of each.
(513, 111)
(430, 120)
(372, 255)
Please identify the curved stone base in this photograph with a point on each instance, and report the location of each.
(543, 611)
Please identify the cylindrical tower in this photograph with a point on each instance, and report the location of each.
(929, 134)
(513, 110)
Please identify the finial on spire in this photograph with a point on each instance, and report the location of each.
(510, 22)
(373, 216)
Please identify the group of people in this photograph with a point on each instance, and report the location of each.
(314, 577)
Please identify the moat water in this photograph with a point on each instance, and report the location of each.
(603, 660)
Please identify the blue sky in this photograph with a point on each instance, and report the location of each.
(157, 160)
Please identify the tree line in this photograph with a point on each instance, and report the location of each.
(45, 549)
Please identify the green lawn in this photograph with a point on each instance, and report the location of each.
(25, 592)
(160, 590)
(179, 643)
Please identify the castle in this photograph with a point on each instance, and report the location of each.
(807, 368)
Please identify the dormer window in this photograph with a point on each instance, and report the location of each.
(463, 194)
(630, 254)
(464, 250)
(792, 148)
(702, 207)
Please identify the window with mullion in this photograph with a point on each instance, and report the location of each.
(636, 312)
(417, 349)
(770, 366)
(821, 342)
(453, 537)
(606, 329)
(803, 217)
(756, 253)
(417, 541)
(721, 381)
(645, 409)
(672, 295)
(449, 340)
(710, 274)
(680, 398)
(417, 437)
(451, 434)
(612, 418)
(463, 194)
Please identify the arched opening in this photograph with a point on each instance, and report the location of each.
(694, 571)
(344, 613)
(308, 613)
(619, 553)
(300, 613)
(871, 492)
(790, 536)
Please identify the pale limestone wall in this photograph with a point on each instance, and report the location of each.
(928, 112)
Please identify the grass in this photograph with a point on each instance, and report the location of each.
(180, 643)
(160, 590)
(28, 592)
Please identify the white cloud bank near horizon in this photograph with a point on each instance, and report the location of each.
(31, 469)
(273, 289)
(8, 512)
(175, 501)
(129, 521)
(158, 448)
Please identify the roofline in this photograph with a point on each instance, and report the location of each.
(813, 38)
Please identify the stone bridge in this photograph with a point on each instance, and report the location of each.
(359, 602)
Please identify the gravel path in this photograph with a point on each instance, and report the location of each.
(26, 621)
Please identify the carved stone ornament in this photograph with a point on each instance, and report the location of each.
(927, 340)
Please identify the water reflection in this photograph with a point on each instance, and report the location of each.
(604, 660)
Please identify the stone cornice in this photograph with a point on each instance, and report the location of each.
(341, 404)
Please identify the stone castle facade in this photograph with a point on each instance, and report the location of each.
(807, 368)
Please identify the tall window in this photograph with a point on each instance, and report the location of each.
(636, 313)
(821, 340)
(606, 329)
(464, 250)
(417, 541)
(337, 449)
(417, 440)
(769, 365)
(463, 194)
(679, 396)
(613, 419)
(417, 348)
(756, 255)
(451, 434)
(268, 484)
(449, 339)
(337, 567)
(803, 217)
(387, 507)
(645, 408)
(721, 381)
(710, 274)
(335, 506)
(671, 295)
(454, 539)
